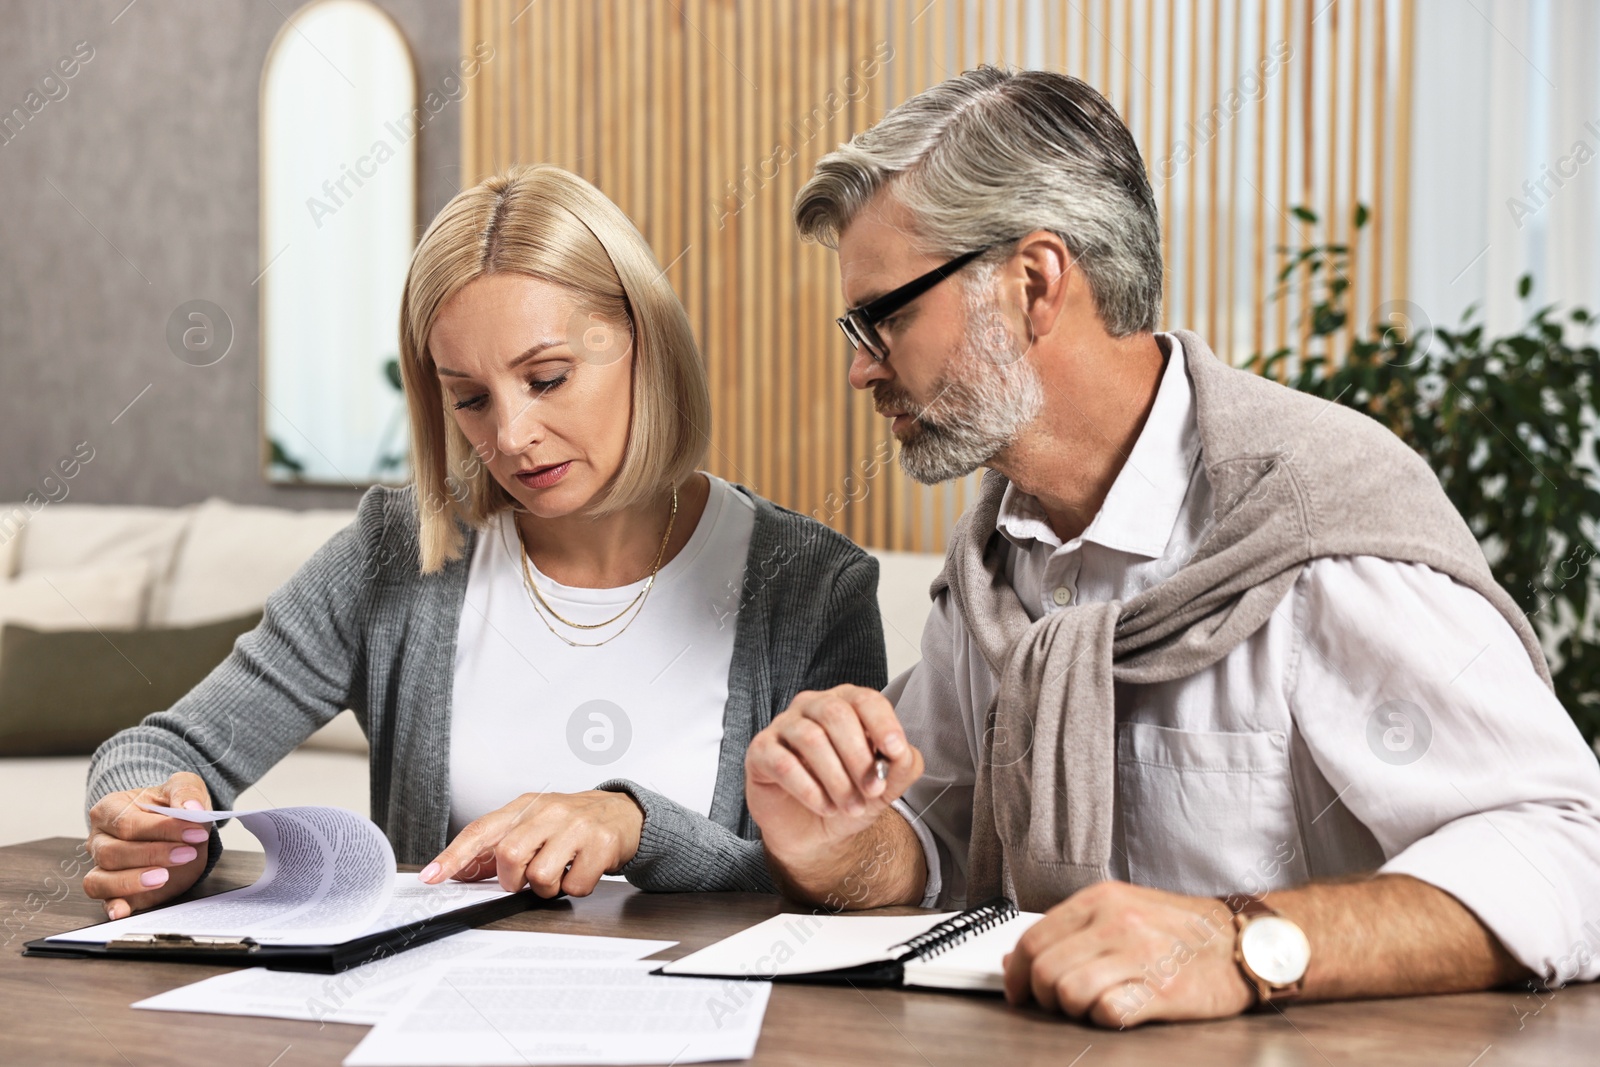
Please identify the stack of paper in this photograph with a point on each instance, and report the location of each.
(528, 1012)
(478, 997)
(487, 997)
(364, 994)
(328, 877)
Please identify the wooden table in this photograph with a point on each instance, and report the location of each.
(55, 1011)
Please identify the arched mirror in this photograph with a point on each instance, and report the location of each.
(339, 121)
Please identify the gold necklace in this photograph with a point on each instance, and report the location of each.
(639, 598)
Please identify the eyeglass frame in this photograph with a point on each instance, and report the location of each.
(860, 324)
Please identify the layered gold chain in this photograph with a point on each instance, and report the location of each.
(541, 606)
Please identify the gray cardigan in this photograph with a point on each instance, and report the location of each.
(359, 626)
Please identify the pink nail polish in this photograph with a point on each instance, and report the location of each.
(153, 878)
(182, 854)
(429, 872)
(195, 836)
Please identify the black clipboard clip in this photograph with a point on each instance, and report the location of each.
(187, 942)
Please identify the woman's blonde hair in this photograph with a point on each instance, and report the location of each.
(549, 224)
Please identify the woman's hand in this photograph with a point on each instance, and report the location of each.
(536, 838)
(143, 859)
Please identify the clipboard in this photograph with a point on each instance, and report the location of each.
(317, 959)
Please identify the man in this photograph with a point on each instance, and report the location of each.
(1214, 676)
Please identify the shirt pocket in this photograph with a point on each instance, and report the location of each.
(1208, 813)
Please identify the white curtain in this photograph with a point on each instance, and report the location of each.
(1505, 157)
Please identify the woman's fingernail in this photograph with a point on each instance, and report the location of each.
(111, 911)
(195, 835)
(195, 804)
(182, 854)
(430, 871)
(154, 877)
(893, 745)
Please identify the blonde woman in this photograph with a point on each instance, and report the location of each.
(562, 636)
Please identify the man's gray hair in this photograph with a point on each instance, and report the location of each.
(994, 154)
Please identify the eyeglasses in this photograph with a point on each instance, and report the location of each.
(860, 324)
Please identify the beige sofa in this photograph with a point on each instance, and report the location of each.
(116, 567)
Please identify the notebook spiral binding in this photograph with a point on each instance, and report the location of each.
(956, 929)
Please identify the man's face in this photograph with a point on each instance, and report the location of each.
(956, 383)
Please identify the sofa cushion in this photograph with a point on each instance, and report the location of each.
(903, 580)
(13, 520)
(342, 733)
(72, 535)
(64, 692)
(108, 596)
(234, 555)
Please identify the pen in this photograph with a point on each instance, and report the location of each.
(880, 763)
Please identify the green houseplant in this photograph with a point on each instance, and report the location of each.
(1502, 420)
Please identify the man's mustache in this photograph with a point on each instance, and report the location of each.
(886, 398)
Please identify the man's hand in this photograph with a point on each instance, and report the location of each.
(554, 842)
(142, 859)
(810, 778)
(812, 786)
(1119, 955)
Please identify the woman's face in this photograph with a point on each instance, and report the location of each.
(539, 387)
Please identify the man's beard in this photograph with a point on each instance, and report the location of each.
(980, 405)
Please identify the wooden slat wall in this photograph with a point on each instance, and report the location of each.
(701, 118)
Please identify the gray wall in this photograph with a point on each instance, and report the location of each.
(135, 192)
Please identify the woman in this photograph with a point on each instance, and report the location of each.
(562, 636)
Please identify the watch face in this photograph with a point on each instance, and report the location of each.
(1275, 949)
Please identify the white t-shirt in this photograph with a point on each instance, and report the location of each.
(531, 713)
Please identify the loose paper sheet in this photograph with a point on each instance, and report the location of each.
(483, 1013)
(365, 994)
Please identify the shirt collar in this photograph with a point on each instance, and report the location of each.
(1147, 495)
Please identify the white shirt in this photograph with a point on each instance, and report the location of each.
(531, 713)
(1386, 717)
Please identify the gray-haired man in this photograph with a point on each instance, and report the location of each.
(1215, 675)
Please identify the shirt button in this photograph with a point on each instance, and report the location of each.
(1063, 595)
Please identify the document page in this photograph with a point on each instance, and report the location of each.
(328, 877)
(527, 1012)
(413, 900)
(365, 994)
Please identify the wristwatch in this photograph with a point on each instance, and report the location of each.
(1271, 951)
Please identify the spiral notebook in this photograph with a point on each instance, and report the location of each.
(952, 950)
